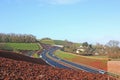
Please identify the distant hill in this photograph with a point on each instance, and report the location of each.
(47, 41)
(55, 42)
(52, 42)
(59, 42)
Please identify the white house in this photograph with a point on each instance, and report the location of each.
(80, 49)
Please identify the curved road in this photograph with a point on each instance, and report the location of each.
(49, 61)
(53, 61)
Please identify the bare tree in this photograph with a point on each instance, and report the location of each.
(113, 49)
(113, 43)
(17, 38)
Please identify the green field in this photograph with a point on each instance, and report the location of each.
(67, 55)
(64, 55)
(51, 42)
(23, 46)
(59, 42)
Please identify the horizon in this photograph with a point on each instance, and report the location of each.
(73, 20)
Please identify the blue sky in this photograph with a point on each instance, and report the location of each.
(74, 20)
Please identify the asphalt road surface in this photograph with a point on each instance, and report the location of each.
(56, 64)
(51, 62)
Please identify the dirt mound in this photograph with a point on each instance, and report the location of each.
(20, 70)
(20, 57)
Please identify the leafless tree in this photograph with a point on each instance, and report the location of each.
(113, 43)
(17, 38)
(113, 49)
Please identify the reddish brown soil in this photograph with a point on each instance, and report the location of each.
(20, 57)
(99, 64)
(20, 70)
(13, 66)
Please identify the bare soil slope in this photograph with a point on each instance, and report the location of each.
(20, 57)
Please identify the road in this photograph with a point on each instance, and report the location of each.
(57, 62)
(51, 62)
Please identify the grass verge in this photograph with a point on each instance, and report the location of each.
(92, 62)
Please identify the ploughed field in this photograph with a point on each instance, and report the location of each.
(14, 66)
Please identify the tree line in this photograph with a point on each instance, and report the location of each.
(18, 38)
(110, 49)
(113, 49)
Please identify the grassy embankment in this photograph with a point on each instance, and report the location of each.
(92, 61)
(23, 46)
(16, 47)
